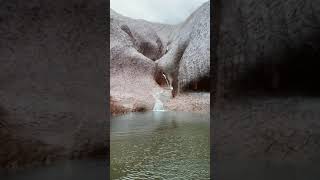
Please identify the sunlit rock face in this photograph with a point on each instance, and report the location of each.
(141, 52)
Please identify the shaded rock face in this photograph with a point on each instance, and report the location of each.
(52, 79)
(268, 59)
(141, 52)
(268, 47)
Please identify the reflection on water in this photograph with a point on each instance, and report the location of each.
(160, 145)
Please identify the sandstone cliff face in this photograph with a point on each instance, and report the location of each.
(141, 51)
(52, 81)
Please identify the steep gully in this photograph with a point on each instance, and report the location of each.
(146, 57)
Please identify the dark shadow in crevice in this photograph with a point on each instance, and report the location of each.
(3, 118)
(201, 85)
(297, 73)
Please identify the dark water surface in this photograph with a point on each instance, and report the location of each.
(64, 170)
(160, 145)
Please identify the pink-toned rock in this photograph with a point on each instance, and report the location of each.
(134, 45)
(141, 52)
(190, 102)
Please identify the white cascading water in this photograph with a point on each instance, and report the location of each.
(165, 77)
(158, 105)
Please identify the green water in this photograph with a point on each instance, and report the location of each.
(160, 145)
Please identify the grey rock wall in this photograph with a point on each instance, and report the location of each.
(266, 110)
(268, 59)
(52, 81)
(188, 58)
(268, 46)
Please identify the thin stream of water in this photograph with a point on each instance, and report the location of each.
(165, 77)
(161, 97)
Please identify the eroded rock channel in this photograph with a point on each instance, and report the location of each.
(144, 54)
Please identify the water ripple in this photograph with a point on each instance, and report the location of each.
(161, 146)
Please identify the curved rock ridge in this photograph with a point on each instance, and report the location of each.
(134, 45)
(141, 51)
(188, 58)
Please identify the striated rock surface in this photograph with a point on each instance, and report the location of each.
(141, 52)
(187, 61)
(134, 45)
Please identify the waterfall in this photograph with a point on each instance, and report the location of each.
(161, 96)
(158, 105)
(165, 77)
